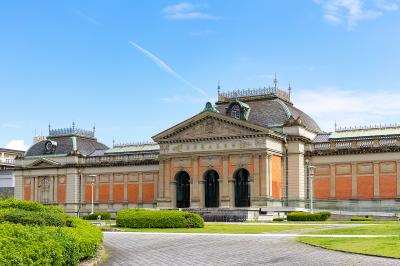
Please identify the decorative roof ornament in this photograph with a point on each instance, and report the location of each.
(210, 107)
(275, 82)
(219, 88)
(71, 131)
(289, 90)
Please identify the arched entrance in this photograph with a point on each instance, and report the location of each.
(242, 188)
(211, 188)
(182, 190)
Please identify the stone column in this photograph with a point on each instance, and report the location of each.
(224, 193)
(354, 180)
(126, 177)
(111, 189)
(51, 195)
(155, 184)
(96, 189)
(56, 188)
(72, 190)
(167, 179)
(332, 181)
(36, 197)
(376, 179)
(140, 192)
(256, 186)
(19, 185)
(263, 175)
(32, 188)
(398, 178)
(269, 174)
(231, 183)
(194, 195)
(161, 177)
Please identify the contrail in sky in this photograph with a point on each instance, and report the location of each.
(164, 66)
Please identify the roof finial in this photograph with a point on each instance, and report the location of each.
(335, 126)
(113, 142)
(94, 128)
(49, 128)
(290, 89)
(275, 82)
(73, 124)
(218, 89)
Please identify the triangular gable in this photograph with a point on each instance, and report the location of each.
(43, 162)
(208, 124)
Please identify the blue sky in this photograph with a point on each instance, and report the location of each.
(135, 68)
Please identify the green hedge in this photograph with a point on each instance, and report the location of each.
(136, 218)
(278, 219)
(27, 239)
(360, 219)
(305, 216)
(93, 216)
(43, 218)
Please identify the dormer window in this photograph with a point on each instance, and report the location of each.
(235, 111)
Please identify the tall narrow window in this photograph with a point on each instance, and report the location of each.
(235, 111)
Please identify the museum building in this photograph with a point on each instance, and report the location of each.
(253, 149)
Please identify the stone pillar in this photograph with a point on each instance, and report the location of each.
(155, 184)
(19, 186)
(36, 191)
(256, 184)
(83, 186)
(96, 189)
(51, 195)
(296, 178)
(111, 189)
(332, 182)
(72, 190)
(376, 179)
(32, 188)
(225, 191)
(126, 177)
(354, 181)
(398, 178)
(140, 192)
(194, 184)
(263, 175)
(231, 183)
(269, 175)
(161, 177)
(56, 188)
(167, 179)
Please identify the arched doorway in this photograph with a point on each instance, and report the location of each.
(242, 188)
(182, 190)
(211, 188)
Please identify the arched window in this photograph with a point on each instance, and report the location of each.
(235, 111)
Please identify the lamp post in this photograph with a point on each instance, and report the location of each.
(310, 184)
(92, 180)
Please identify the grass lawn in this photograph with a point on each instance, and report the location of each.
(225, 229)
(388, 246)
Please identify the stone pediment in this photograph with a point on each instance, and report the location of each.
(207, 125)
(43, 163)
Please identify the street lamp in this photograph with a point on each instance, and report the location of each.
(310, 184)
(92, 180)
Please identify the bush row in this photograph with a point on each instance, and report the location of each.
(93, 216)
(42, 218)
(158, 219)
(305, 216)
(34, 245)
(359, 219)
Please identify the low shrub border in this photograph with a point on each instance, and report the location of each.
(93, 216)
(305, 216)
(278, 219)
(136, 218)
(361, 219)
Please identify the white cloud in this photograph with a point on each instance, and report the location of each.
(187, 11)
(353, 11)
(88, 18)
(349, 108)
(17, 144)
(164, 66)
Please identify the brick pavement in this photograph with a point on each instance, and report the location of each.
(175, 249)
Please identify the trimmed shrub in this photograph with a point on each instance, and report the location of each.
(27, 239)
(305, 216)
(93, 216)
(42, 218)
(278, 219)
(136, 218)
(361, 219)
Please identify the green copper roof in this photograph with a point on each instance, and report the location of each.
(210, 107)
(359, 133)
(134, 148)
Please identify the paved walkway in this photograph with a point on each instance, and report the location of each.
(211, 249)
